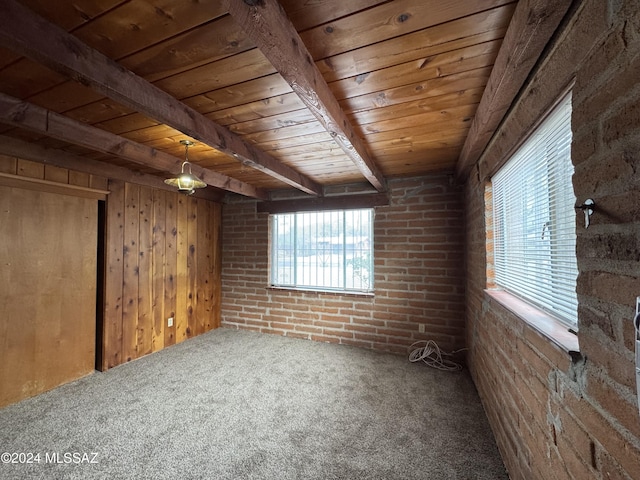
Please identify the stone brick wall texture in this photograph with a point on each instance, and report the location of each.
(419, 275)
(556, 416)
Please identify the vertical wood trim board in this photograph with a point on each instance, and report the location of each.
(114, 277)
(162, 249)
(170, 267)
(159, 274)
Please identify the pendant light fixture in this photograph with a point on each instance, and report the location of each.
(186, 182)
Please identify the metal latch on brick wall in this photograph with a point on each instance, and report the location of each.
(587, 207)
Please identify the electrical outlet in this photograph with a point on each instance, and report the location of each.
(421, 328)
(170, 322)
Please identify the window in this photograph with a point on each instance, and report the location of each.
(323, 250)
(534, 219)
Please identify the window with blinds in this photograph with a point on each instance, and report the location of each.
(534, 219)
(330, 250)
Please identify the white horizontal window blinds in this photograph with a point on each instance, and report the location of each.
(534, 219)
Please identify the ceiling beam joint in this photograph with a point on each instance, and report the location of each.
(267, 24)
(28, 34)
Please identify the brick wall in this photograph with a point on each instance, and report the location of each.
(554, 416)
(418, 275)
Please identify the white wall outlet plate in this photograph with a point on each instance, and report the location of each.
(170, 322)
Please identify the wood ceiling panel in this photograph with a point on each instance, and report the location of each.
(70, 15)
(460, 115)
(7, 57)
(252, 176)
(127, 123)
(301, 141)
(25, 78)
(337, 165)
(409, 75)
(410, 162)
(289, 102)
(387, 21)
(478, 28)
(437, 66)
(445, 131)
(145, 135)
(409, 93)
(419, 138)
(287, 119)
(323, 145)
(99, 111)
(65, 97)
(234, 95)
(305, 15)
(204, 44)
(125, 29)
(293, 131)
(408, 109)
(135, 25)
(228, 71)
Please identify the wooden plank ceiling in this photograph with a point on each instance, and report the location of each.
(301, 94)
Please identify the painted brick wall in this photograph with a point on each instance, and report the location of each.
(418, 242)
(554, 416)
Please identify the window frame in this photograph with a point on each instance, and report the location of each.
(344, 262)
(495, 275)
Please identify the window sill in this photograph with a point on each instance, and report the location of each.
(545, 324)
(351, 293)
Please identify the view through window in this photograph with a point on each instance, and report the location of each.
(330, 250)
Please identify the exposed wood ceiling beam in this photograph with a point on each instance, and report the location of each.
(532, 26)
(26, 115)
(14, 147)
(32, 36)
(267, 24)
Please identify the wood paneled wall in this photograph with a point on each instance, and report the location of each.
(50, 173)
(48, 226)
(162, 260)
(47, 290)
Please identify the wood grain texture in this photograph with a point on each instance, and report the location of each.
(80, 168)
(159, 277)
(130, 283)
(23, 114)
(215, 228)
(192, 267)
(47, 320)
(532, 25)
(267, 24)
(305, 15)
(171, 267)
(146, 280)
(388, 20)
(162, 249)
(114, 276)
(32, 36)
(383, 61)
(467, 31)
(182, 269)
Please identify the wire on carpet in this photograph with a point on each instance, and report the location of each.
(431, 354)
